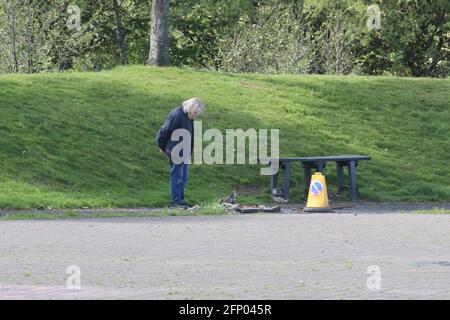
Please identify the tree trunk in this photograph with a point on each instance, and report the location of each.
(30, 37)
(159, 34)
(13, 35)
(297, 9)
(120, 34)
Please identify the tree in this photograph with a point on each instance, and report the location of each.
(270, 36)
(11, 13)
(159, 34)
(198, 26)
(120, 33)
(413, 40)
(268, 39)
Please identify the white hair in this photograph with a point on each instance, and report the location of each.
(193, 106)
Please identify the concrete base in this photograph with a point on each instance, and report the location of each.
(317, 210)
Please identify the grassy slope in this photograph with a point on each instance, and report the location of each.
(87, 139)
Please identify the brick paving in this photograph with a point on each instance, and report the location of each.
(278, 256)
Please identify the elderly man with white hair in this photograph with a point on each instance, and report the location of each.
(180, 118)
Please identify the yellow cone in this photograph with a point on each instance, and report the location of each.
(318, 195)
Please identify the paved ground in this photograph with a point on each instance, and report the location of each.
(278, 256)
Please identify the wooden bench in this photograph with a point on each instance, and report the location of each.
(319, 164)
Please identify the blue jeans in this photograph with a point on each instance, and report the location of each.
(178, 179)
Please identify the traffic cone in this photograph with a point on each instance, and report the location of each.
(318, 196)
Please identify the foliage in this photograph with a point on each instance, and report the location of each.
(414, 40)
(276, 36)
(268, 42)
(197, 27)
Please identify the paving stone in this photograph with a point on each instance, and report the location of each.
(274, 256)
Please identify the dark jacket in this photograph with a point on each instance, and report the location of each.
(177, 119)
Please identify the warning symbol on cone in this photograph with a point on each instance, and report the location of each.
(316, 187)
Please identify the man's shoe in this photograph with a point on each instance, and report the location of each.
(180, 206)
(187, 204)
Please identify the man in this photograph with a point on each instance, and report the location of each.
(179, 118)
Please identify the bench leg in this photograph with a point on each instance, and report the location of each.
(308, 175)
(286, 179)
(353, 180)
(320, 166)
(340, 176)
(273, 182)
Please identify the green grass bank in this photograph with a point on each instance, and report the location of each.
(87, 139)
